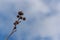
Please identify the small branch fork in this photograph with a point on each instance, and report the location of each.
(20, 17)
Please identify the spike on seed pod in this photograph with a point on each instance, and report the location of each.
(20, 13)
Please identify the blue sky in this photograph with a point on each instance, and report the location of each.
(43, 19)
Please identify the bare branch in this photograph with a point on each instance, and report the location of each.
(19, 16)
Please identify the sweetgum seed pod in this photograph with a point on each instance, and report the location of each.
(21, 17)
(24, 18)
(17, 22)
(20, 13)
(17, 16)
(14, 27)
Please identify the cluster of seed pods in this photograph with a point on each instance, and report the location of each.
(19, 18)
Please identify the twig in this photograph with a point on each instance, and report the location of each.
(19, 16)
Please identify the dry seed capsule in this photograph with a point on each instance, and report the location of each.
(24, 18)
(14, 27)
(21, 18)
(17, 16)
(20, 13)
(16, 22)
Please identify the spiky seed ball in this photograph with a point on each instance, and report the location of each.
(16, 22)
(20, 13)
(24, 18)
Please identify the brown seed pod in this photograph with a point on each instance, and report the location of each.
(14, 27)
(21, 18)
(24, 18)
(17, 16)
(16, 22)
(20, 13)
